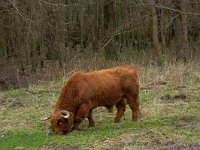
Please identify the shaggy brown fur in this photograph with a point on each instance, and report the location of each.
(85, 91)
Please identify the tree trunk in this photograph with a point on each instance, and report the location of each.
(155, 32)
(109, 25)
(94, 26)
(184, 4)
(34, 55)
(178, 38)
(162, 32)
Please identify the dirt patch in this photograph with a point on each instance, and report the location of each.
(121, 142)
(197, 100)
(19, 148)
(56, 147)
(158, 140)
(170, 145)
(180, 96)
(143, 139)
(12, 103)
(153, 85)
(187, 122)
(180, 87)
(171, 99)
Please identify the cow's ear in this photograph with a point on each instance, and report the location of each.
(71, 114)
(71, 118)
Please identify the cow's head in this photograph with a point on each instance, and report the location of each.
(62, 121)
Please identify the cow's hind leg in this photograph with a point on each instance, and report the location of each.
(133, 102)
(82, 113)
(121, 107)
(91, 121)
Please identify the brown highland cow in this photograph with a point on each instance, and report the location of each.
(84, 91)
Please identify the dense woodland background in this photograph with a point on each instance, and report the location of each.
(37, 34)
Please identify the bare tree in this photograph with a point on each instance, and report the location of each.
(156, 42)
(184, 5)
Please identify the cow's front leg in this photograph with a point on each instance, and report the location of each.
(81, 114)
(90, 118)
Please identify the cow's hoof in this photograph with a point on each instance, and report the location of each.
(116, 121)
(76, 129)
(91, 125)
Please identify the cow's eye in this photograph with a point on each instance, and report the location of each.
(59, 122)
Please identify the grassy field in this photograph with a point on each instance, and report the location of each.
(170, 115)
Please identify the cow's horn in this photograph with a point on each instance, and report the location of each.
(45, 118)
(65, 114)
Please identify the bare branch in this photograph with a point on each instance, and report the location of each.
(17, 10)
(58, 4)
(167, 8)
(171, 21)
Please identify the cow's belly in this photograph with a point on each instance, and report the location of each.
(102, 93)
(106, 100)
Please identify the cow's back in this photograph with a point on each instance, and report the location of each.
(105, 86)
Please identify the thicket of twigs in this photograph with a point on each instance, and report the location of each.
(40, 34)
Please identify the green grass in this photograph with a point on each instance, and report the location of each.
(31, 138)
(163, 123)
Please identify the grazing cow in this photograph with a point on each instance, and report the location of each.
(85, 91)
